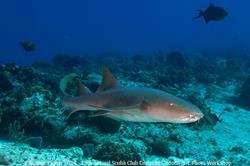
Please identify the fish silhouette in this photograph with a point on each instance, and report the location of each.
(212, 13)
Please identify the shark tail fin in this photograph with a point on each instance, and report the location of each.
(67, 100)
(82, 89)
(200, 14)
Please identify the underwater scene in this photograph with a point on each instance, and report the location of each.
(135, 82)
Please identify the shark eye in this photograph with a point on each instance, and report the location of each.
(171, 104)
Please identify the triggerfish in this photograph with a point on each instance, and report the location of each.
(212, 13)
(28, 46)
(137, 104)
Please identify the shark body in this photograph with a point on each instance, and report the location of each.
(138, 104)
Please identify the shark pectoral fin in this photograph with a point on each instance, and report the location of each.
(98, 113)
(100, 108)
(74, 110)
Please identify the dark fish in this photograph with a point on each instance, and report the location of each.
(28, 46)
(212, 13)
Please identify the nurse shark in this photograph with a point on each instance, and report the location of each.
(137, 104)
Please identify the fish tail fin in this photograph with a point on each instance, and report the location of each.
(200, 14)
(21, 43)
(68, 102)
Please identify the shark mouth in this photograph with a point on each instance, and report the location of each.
(192, 117)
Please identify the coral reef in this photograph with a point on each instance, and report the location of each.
(32, 116)
(106, 124)
(22, 154)
(160, 149)
(176, 59)
(5, 83)
(88, 150)
(117, 152)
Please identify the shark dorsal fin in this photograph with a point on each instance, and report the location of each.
(108, 80)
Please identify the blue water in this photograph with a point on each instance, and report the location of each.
(129, 27)
(34, 117)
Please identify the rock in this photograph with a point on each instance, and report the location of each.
(79, 135)
(68, 61)
(5, 84)
(88, 150)
(238, 150)
(160, 149)
(205, 77)
(106, 125)
(35, 142)
(22, 154)
(176, 59)
(41, 65)
(139, 59)
(111, 151)
(218, 154)
(3, 160)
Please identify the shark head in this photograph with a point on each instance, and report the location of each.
(184, 112)
(164, 107)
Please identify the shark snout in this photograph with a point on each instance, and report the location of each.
(192, 117)
(196, 116)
